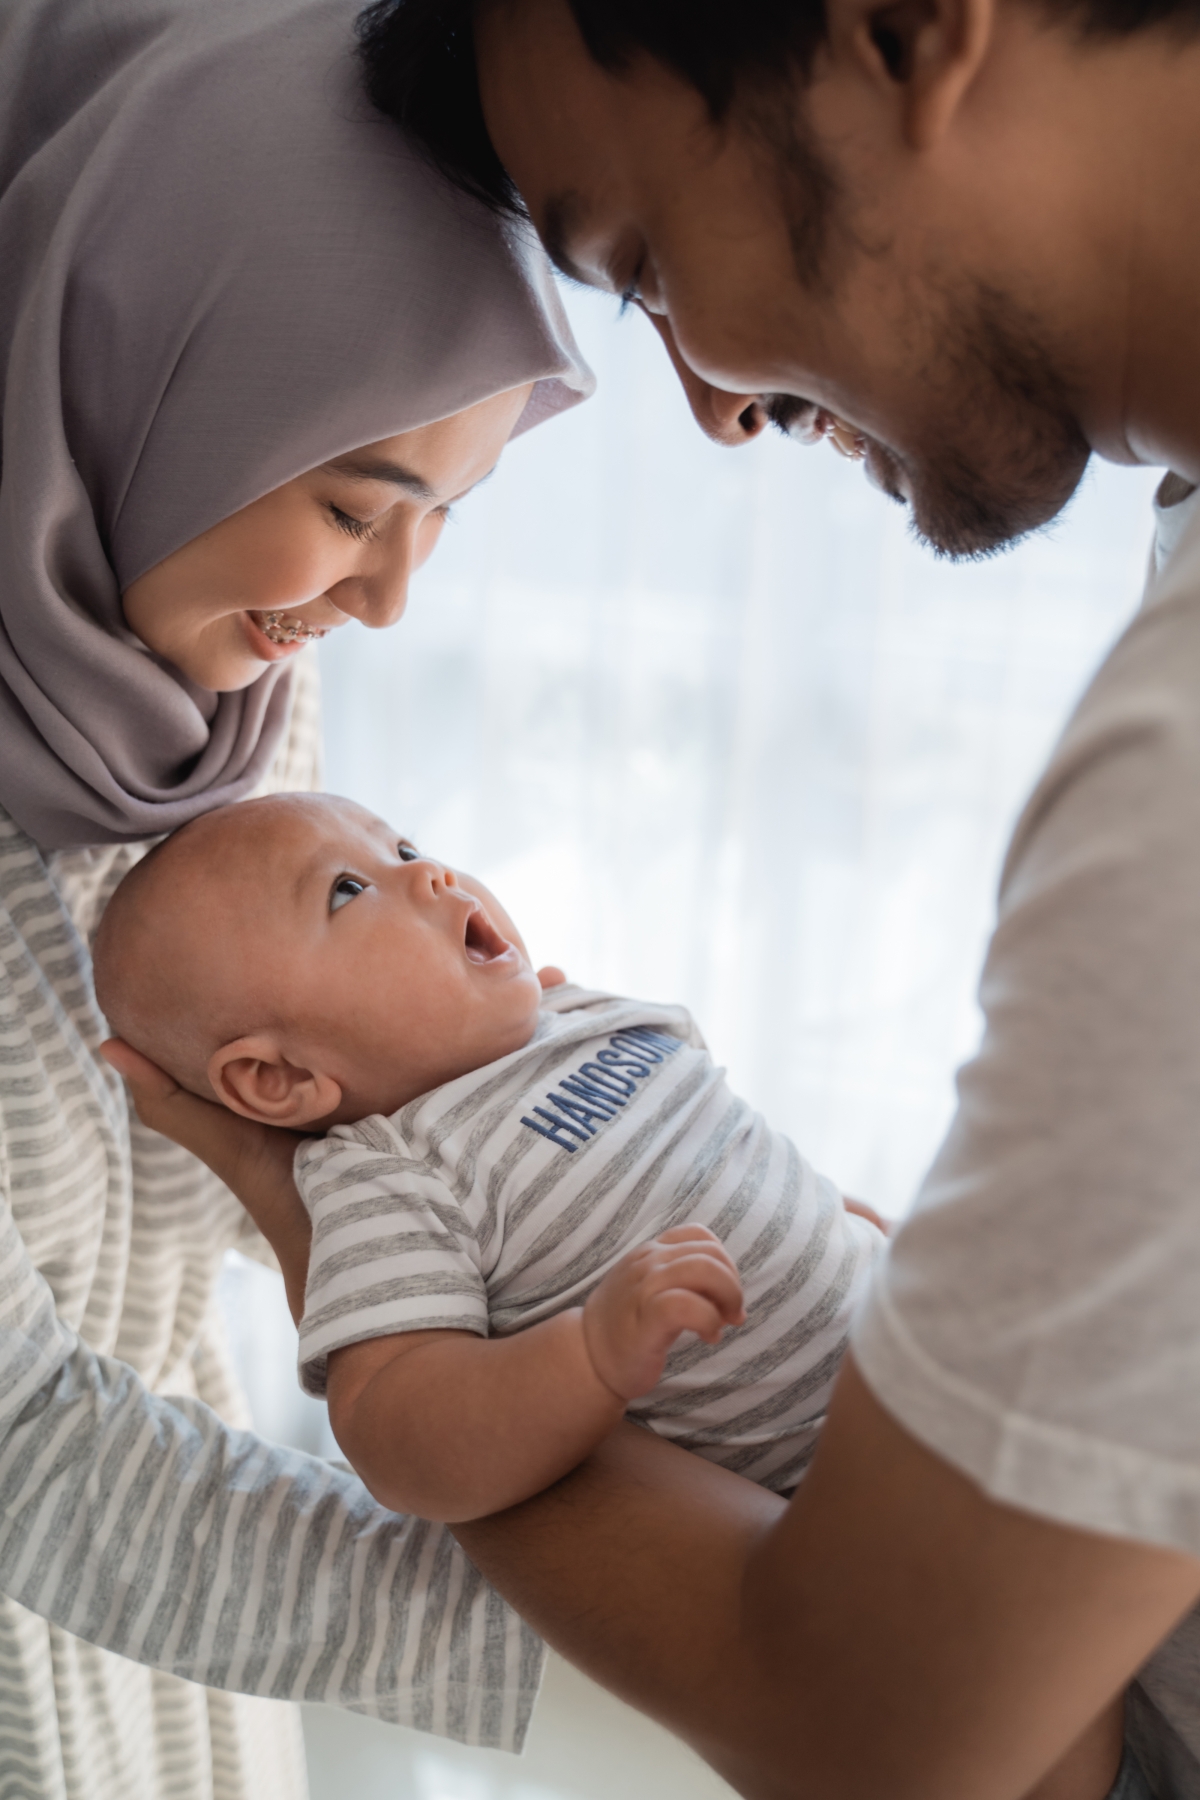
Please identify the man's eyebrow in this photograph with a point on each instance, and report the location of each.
(363, 468)
(561, 220)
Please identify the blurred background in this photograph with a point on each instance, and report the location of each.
(715, 731)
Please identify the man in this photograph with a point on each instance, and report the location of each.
(964, 229)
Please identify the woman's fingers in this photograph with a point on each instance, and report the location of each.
(868, 1212)
(550, 977)
(236, 1149)
(142, 1075)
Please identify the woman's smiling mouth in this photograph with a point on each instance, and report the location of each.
(275, 633)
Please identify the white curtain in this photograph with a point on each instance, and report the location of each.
(717, 731)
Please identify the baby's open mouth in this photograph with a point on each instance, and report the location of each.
(286, 628)
(483, 942)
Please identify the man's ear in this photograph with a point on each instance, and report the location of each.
(253, 1077)
(925, 53)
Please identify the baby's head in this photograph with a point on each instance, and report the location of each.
(295, 958)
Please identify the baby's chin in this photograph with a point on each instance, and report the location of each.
(386, 1090)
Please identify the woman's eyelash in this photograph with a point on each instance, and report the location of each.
(445, 513)
(361, 529)
(630, 295)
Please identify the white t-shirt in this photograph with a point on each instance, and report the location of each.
(506, 1196)
(1037, 1322)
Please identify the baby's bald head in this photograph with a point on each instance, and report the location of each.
(296, 960)
(177, 974)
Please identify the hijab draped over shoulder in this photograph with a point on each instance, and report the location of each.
(218, 268)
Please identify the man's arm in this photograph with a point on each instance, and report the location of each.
(891, 1632)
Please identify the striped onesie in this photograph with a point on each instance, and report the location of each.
(507, 1195)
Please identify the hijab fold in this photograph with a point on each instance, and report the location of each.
(218, 268)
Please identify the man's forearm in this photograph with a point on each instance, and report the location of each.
(893, 1631)
(633, 1567)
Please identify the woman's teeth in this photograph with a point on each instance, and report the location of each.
(286, 628)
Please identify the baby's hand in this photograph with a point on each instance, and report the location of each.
(683, 1281)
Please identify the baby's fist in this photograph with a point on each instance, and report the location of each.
(683, 1281)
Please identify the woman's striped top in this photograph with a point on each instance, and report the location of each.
(137, 1515)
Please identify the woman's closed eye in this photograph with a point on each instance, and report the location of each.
(346, 888)
(362, 529)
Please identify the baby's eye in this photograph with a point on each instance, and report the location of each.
(346, 887)
(407, 852)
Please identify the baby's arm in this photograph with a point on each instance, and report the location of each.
(451, 1426)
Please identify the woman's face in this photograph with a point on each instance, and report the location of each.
(336, 544)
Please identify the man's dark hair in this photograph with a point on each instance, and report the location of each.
(419, 59)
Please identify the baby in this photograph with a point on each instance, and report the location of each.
(532, 1211)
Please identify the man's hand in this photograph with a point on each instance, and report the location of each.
(684, 1280)
(254, 1161)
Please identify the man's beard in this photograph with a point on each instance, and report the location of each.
(1005, 450)
(1009, 452)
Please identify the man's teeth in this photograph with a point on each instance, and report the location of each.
(286, 628)
(821, 424)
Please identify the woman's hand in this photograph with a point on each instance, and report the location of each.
(253, 1160)
(868, 1212)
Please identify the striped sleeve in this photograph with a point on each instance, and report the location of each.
(391, 1248)
(147, 1526)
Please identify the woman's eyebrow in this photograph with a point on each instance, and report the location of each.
(369, 469)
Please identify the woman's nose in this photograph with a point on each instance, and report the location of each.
(377, 594)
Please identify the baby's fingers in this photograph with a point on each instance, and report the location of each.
(706, 1270)
(682, 1309)
(689, 1234)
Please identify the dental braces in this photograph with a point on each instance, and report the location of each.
(282, 628)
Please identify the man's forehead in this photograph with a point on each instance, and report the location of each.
(563, 222)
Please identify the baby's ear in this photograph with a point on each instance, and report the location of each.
(254, 1078)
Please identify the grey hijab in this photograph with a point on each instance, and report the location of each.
(218, 268)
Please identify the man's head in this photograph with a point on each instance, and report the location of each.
(924, 217)
(298, 960)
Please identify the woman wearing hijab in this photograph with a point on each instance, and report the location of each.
(220, 278)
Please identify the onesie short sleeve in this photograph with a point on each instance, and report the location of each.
(1037, 1322)
(392, 1249)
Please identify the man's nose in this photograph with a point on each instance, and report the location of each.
(729, 419)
